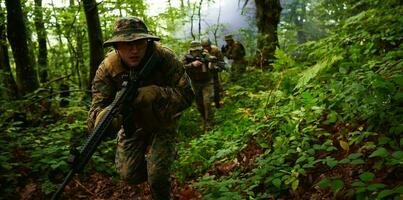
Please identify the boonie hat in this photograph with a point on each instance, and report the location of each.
(228, 37)
(129, 29)
(195, 45)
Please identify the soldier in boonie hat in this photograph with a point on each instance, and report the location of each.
(161, 97)
(234, 51)
(129, 29)
(228, 37)
(195, 46)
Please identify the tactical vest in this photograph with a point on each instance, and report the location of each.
(199, 74)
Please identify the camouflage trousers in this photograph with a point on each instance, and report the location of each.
(203, 97)
(146, 154)
(238, 67)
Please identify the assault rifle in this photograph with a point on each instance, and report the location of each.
(216, 66)
(211, 61)
(120, 105)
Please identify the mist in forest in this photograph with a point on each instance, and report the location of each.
(229, 13)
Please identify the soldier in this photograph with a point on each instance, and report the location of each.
(146, 146)
(196, 64)
(215, 52)
(234, 51)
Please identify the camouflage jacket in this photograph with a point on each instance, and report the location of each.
(170, 75)
(198, 74)
(215, 51)
(235, 51)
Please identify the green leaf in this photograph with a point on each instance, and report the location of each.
(337, 185)
(358, 184)
(294, 184)
(311, 151)
(301, 159)
(378, 165)
(367, 176)
(383, 140)
(6, 165)
(276, 182)
(343, 70)
(361, 190)
(317, 147)
(385, 193)
(331, 118)
(345, 161)
(354, 156)
(324, 183)
(375, 186)
(398, 79)
(331, 148)
(331, 162)
(380, 152)
(398, 155)
(358, 162)
(398, 189)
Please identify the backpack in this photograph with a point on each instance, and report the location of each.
(243, 53)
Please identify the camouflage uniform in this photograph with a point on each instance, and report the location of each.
(215, 52)
(235, 52)
(202, 83)
(147, 151)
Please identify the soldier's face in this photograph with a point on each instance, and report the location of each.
(131, 53)
(206, 47)
(195, 53)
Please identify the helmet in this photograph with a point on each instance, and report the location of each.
(129, 29)
(195, 45)
(205, 42)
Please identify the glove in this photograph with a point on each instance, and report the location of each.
(115, 125)
(147, 95)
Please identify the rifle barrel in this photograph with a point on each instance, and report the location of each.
(59, 191)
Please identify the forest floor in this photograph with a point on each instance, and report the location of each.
(100, 186)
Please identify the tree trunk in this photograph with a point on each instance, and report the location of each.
(27, 80)
(42, 51)
(199, 14)
(6, 77)
(79, 66)
(217, 24)
(191, 22)
(299, 20)
(267, 20)
(94, 36)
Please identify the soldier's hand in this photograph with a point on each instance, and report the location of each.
(197, 63)
(147, 95)
(115, 125)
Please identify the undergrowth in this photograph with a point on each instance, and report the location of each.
(327, 124)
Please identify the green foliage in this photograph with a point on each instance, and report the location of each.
(329, 109)
(35, 145)
(336, 105)
(218, 189)
(334, 183)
